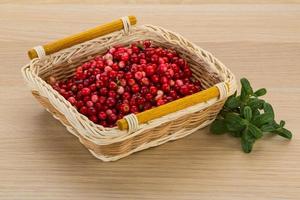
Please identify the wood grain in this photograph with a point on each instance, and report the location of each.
(40, 160)
(152, 2)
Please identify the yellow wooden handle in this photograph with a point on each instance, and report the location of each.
(173, 106)
(90, 34)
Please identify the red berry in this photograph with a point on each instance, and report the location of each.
(153, 90)
(184, 90)
(79, 104)
(126, 95)
(123, 82)
(124, 57)
(102, 99)
(103, 91)
(131, 82)
(110, 101)
(102, 115)
(92, 111)
(155, 79)
(112, 118)
(89, 104)
(164, 79)
(134, 109)
(112, 94)
(173, 94)
(85, 91)
(150, 70)
(124, 108)
(162, 68)
(160, 102)
(147, 106)
(135, 88)
(166, 87)
(149, 96)
(127, 79)
(93, 118)
(83, 110)
(147, 43)
(98, 106)
(112, 74)
(113, 85)
(144, 90)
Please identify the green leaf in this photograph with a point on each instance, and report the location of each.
(232, 102)
(284, 133)
(255, 132)
(269, 127)
(256, 103)
(218, 127)
(247, 141)
(281, 123)
(248, 117)
(247, 113)
(236, 134)
(234, 122)
(262, 119)
(244, 96)
(246, 86)
(255, 112)
(260, 92)
(268, 109)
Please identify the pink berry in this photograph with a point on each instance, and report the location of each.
(72, 100)
(120, 90)
(94, 98)
(145, 81)
(138, 75)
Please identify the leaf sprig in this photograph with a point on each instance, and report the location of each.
(248, 117)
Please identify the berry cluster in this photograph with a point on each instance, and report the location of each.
(127, 80)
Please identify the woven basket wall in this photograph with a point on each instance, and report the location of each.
(109, 144)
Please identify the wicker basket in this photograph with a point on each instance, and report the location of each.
(60, 59)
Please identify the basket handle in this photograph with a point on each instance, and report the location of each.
(131, 122)
(78, 38)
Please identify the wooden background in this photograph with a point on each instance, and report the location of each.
(39, 159)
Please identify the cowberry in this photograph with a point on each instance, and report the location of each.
(135, 88)
(127, 79)
(85, 91)
(102, 115)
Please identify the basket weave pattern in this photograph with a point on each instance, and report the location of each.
(110, 144)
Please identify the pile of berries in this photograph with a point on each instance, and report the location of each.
(127, 80)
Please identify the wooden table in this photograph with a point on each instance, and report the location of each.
(39, 159)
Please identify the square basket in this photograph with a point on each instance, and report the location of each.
(147, 129)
